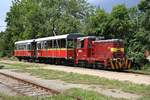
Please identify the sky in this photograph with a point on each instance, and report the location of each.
(105, 4)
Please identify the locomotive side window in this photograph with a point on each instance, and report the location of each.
(80, 44)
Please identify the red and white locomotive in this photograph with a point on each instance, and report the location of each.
(75, 49)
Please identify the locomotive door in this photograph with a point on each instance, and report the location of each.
(81, 50)
(90, 49)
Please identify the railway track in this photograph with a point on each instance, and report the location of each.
(27, 88)
(24, 87)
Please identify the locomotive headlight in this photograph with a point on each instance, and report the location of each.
(113, 49)
(117, 49)
(122, 49)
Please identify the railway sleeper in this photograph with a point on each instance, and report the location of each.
(29, 90)
(19, 87)
(36, 94)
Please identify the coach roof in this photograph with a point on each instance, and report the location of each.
(25, 41)
(66, 36)
(51, 38)
(58, 37)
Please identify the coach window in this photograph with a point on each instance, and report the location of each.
(58, 43)
(29, 46)
(45, 44)
(16, 47)
(25, 47)
(39, 46)
(55, 45)
(49, 44)
(63, 43)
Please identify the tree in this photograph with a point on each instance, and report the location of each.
(97, 23)
(30, 19)
(142, 38)
(120, 23)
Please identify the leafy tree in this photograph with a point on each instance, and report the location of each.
(97, 23)
(120, 23)
(141, 39)
(29, 19)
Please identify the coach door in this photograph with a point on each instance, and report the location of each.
(34, 50)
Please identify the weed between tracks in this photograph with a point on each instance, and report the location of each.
(75, 93)
(84, 79)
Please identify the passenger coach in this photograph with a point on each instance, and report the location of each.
(55, 49)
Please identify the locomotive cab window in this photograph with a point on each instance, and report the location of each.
(70, 44)
(90, 42)
(80, 44)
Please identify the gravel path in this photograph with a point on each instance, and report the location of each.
(6, 90)
(61, 86)
(134, 78)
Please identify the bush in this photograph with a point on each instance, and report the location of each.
(2, 54)
(146, 66)
(140, 62)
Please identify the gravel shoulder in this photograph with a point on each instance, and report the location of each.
(134, 78)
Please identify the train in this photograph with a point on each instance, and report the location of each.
(75, 49)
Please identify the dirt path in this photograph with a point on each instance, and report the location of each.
(134, 78)
(61, 86)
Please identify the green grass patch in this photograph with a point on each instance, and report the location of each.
(71, 94)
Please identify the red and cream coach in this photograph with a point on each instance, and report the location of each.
(74, 49)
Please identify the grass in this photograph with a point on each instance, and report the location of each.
(72, 94)
(84, 79)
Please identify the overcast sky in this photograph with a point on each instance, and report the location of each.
(105, 4)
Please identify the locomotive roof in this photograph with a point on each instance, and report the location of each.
(25, 41)
(110, 40)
